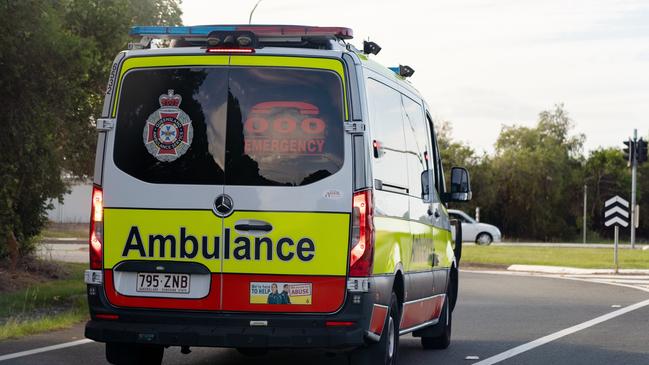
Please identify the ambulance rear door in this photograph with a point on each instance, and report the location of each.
(288, 178)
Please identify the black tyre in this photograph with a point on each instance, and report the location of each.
(453, 288)
(439, 337)
(134, 354)
(484, 239)
(386, 351)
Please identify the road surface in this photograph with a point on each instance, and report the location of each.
(500, 319)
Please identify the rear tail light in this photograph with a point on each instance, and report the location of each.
(362, 242)
(96, 228)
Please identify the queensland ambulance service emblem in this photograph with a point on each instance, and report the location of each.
(168, 131)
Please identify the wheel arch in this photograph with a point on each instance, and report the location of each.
(399, 285)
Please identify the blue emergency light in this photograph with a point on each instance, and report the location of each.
(258, 30)
(161, 31)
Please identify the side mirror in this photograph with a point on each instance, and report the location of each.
(460, 186)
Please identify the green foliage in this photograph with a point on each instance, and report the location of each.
(606, 174)
(532, 186)
(537, 177)
(53, 68)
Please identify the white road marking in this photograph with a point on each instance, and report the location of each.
(44, 349)
(644, 288)
(554, 336)
(568, 331)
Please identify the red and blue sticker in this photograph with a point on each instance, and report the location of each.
(168, 131)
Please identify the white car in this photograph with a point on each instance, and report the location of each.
(472, 231)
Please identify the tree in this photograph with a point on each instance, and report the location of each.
(606, 175)
(536, 176)
(53, 68)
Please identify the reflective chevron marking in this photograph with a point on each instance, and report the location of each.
(616, 199)
(616, 212)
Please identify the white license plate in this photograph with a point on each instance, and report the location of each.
(162, 283)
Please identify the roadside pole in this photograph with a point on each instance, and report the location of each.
(616, 214)
(617, 237)
(634, 173)
(585, 209)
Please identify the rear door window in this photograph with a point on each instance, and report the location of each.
(235, 126)
(147, 133)
(285, 126)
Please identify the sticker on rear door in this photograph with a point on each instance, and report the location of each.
(280, 293)
(168, 131)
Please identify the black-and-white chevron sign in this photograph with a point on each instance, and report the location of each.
(616, 212)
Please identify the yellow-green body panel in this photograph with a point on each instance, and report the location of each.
(328, 234)
(412, 245)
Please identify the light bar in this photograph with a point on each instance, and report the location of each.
(259, 30)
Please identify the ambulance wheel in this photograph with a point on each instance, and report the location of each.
(386, 351)
(118, 353)
(439, 336)
(454, 284)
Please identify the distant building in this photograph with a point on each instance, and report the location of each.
(75, 207)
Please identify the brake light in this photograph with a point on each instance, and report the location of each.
(362, 242)
(230, 50)
(96, 228)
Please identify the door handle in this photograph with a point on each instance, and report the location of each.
(253, 227)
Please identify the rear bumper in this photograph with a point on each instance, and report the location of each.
(225, 336)
(229, 329)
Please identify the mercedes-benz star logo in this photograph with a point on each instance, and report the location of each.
(223, 205)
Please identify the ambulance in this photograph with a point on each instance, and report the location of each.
(267, 187)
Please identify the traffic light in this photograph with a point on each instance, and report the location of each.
(641, 148)
(629, 151)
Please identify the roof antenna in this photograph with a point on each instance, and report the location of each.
(252, 11)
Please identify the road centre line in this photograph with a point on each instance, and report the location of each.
(44, 349)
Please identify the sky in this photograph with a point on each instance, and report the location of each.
(482, 64)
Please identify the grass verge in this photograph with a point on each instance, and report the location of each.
(588, 258)
(44, 306)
